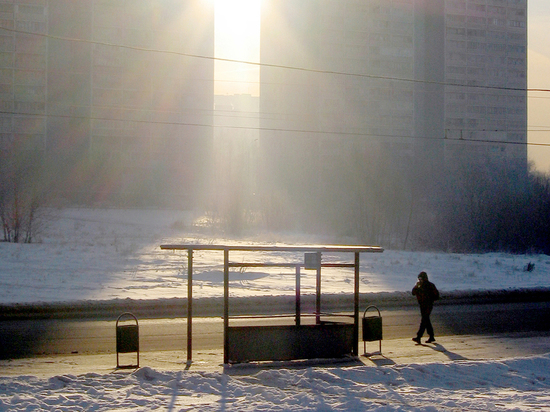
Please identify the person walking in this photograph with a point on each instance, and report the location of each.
(426, 293)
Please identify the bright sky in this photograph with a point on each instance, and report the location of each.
(237, 37)
(539, 78)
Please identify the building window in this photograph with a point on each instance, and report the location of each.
(515, 23)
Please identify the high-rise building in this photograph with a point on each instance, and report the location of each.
(112, 93)
(356, 90)
(485, 67)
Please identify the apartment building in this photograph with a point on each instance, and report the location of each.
(486, 80)
(110, 93)
(351, 90)
(416, 87)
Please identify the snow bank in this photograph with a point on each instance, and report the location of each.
(94, 254)
(515, 384)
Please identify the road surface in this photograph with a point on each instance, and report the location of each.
(26, 338)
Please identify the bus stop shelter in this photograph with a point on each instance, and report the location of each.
(324, 336)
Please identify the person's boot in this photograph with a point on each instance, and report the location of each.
(417, 340)
(430, 340)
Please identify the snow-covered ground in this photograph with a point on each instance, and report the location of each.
(107, 254)
(521, 384)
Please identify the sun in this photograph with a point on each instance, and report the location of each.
(237, 37)
(237, 25)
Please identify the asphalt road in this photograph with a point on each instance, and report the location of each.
(26, 338)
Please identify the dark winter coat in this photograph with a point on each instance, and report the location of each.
(426, 293)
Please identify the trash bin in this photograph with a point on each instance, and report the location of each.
(372, 329)
(127, 339)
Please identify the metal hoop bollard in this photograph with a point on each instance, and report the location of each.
(372, 330)
(127, 340)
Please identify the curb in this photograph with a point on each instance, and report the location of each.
(264, 305)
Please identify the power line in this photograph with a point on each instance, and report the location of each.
(224, 113)
(271, 65)
(320, 132)
(256, 83)
(281, 67)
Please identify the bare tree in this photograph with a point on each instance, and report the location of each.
(495, 209)
(22, 193)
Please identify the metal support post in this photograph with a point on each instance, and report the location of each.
(356, 308)
(189, 305)
(318, 294)
(298, 306)
(225, 304)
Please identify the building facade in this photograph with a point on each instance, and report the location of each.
(485, 70)
(109, 93)
(359, 91)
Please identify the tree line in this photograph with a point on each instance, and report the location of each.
(489, 210)
(477, 208)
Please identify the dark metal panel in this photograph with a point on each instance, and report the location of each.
(127, 338)
(372, 328)
(281, 343)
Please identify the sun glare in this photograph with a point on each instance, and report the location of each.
(237, 37)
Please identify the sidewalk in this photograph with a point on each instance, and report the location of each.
(394, 352)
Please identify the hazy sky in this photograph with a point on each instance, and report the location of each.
(237, 31)
(539, 78)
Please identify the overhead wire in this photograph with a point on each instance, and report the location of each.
(272, 65)
(287, 67)
(302, 131)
